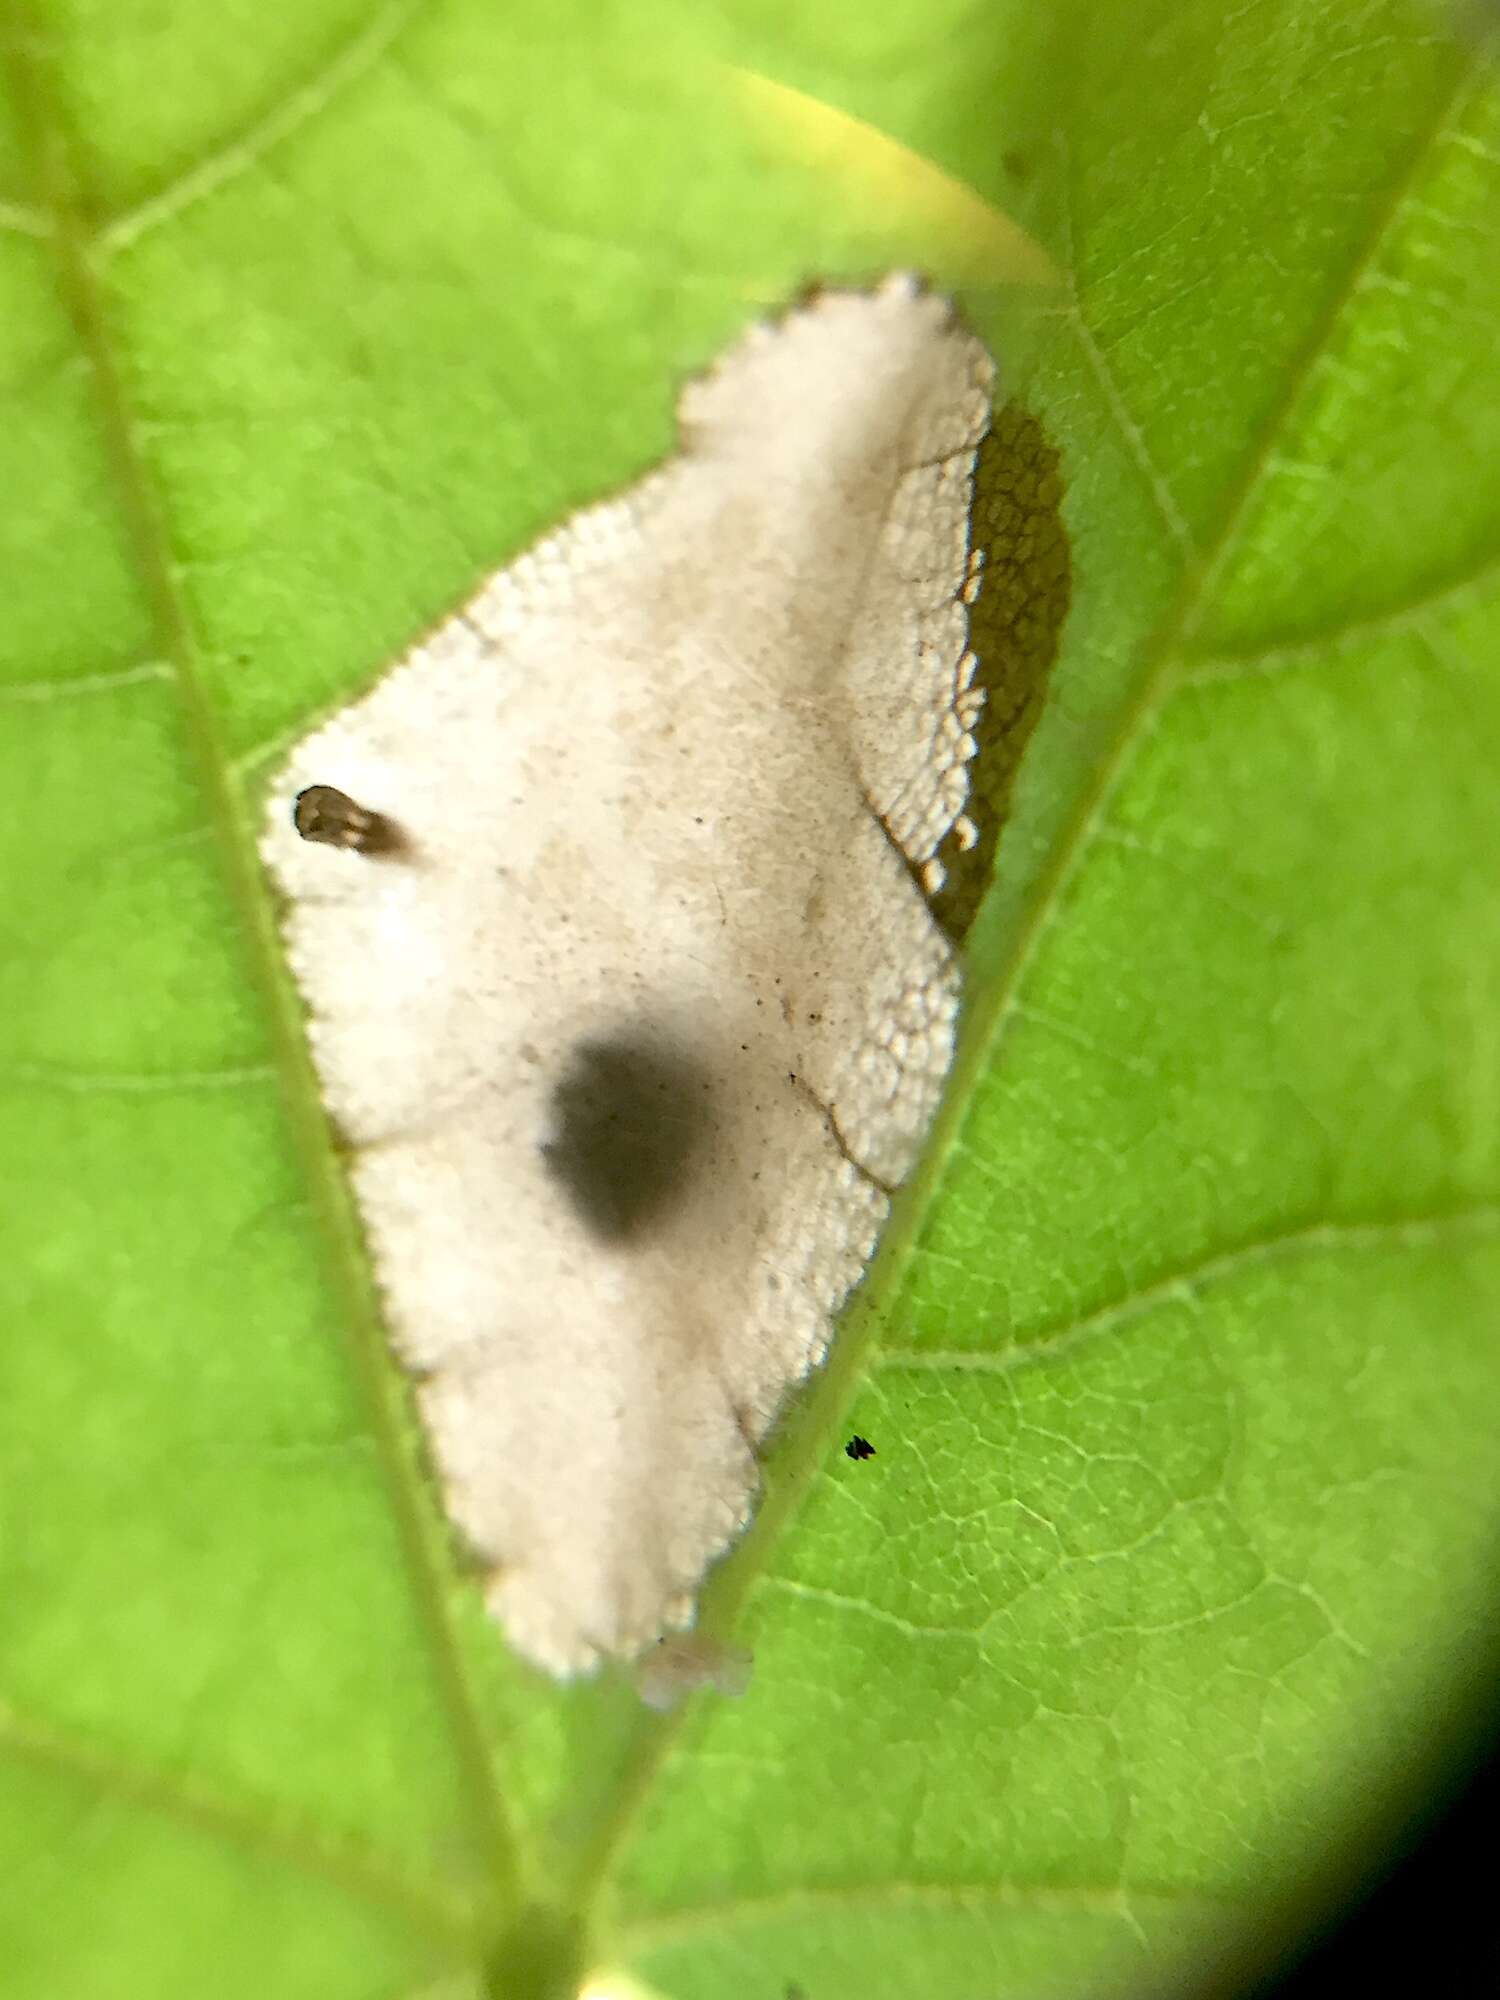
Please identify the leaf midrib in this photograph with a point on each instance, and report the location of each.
(59, 168)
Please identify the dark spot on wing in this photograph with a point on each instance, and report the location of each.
(859, 1447)
(629, 1122)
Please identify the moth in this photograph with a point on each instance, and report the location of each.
(611, 907)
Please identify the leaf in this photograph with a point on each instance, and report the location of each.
(1177, 1358)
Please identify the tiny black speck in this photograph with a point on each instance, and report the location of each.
(859, 1447)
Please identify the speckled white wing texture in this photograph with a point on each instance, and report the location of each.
(643, 1014)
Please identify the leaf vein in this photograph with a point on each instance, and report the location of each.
(234, 157)
(861, 1607)
(1460, 595)
(19, 220)
(974, 1898)
(133, 1083)
(1181, 1287)
(239, 1822)
(64, 688)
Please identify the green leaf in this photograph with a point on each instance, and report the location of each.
(1178, 1357)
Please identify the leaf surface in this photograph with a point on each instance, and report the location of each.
(1178, 1358)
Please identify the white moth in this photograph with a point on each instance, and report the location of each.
(609, 908)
